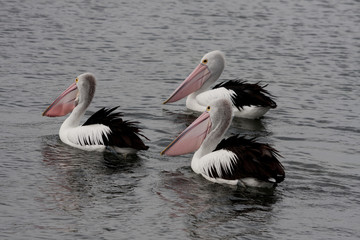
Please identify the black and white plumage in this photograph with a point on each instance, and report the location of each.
(103, 129)
(253, 160)
(248, 94)
(235, 160)
(124, 134)
(249, 100)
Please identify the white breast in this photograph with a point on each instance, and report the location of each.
(88, 137)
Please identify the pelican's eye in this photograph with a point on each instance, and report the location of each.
(76, 80)
(208, 108)
(204, 61)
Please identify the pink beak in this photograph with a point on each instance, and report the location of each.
(64, 104)
(191, 84)
(191, 138)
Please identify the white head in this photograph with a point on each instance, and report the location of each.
(208, 129)
(221, 114)
(215, 61)
(86, 85)
(81, 92)
(206, 73)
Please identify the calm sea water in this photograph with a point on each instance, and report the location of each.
(307, 51)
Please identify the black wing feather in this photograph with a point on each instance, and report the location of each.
(123, 133)
(254, 159)
(248, 94)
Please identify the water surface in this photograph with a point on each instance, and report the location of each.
(307, 51)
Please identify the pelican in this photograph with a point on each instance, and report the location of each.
(250, 101)
(105, 129)
(235, 160)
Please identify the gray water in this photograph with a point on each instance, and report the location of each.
(307, 51)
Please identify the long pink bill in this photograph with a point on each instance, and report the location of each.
(191, 84)
(191, 138)
(64, 104)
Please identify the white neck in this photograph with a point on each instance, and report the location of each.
(191, 101)
(221, 122)
(193, 104)
(84, 99)
(74, 119)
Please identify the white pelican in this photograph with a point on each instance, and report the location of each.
(249, 100)
(103, 130)
(235, 160)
